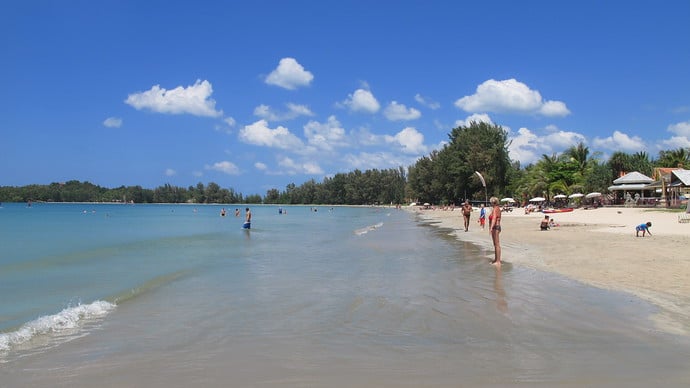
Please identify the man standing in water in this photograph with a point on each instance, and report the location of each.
(466, 210)
(495, 230)
(247, 219)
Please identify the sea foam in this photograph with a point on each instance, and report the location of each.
(67, 320)
(368, 229)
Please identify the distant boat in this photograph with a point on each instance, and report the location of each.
(563, 210)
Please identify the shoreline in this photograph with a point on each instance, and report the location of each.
(597, 247)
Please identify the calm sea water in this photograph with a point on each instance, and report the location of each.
(176, 295)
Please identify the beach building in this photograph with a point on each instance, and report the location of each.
(633, 189)
(679, 186)
(672, 184)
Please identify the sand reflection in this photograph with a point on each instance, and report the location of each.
(501, 302)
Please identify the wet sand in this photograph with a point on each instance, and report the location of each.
(597, 247)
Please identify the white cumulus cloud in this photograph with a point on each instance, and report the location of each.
(224, 167)
(524, 146)
(554, 108)
(559, 140)
(291, 167)
(399, 112)
(476, 117)
(229, 121)
(411, 141)
(194, 99)
(113, 122)
(325, 136)
(510, 96)
(294, 111)
(289, 75)
(680, 129)
(260, 134)
(362, 100)
(379, 160)
(427, 102)
(528, 147)
(682, 138)
(675, 142)
(170, 172)
(620, 141)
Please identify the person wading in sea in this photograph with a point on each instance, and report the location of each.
(495, 230)
(247, 219)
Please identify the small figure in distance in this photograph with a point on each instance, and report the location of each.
(644, 228)
(545, 223)
(222, 212)
(482, 216)
(466, 211)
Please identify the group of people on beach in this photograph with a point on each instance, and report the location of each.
(247, 216)
(547, 223)
(494, 224)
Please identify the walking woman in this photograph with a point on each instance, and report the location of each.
(495, 230)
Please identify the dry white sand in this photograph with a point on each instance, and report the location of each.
(597, 247)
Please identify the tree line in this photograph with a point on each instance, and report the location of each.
(474, 164)
(353, 188)
(76, 191)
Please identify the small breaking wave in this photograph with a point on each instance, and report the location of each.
(65, 322)
(368, 229)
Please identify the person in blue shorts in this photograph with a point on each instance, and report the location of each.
(247, 219)
(644, 228)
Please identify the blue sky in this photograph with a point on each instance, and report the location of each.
(257, 95)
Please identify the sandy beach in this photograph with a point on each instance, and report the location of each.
(597, 247)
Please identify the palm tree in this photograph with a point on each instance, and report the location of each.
(674, 158)
(545, 168)
(579, 155)
(620, 163)
(639, 161)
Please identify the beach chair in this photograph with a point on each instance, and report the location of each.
(684, 218)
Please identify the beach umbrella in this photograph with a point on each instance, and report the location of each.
(593, 195)
(538, 199)
(559, 196)
(507, 200)
(576, 195)
(426, 204)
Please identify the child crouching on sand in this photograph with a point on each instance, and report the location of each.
(644, 228)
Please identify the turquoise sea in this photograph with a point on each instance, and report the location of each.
(115, 295)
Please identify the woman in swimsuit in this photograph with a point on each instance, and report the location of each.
(495, 230)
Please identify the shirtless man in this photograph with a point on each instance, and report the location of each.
(466, 210)
(247, 219)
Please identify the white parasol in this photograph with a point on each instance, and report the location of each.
(576, 195)
(507, 200)
(559, 196)
(593, 195)
(538, 199)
